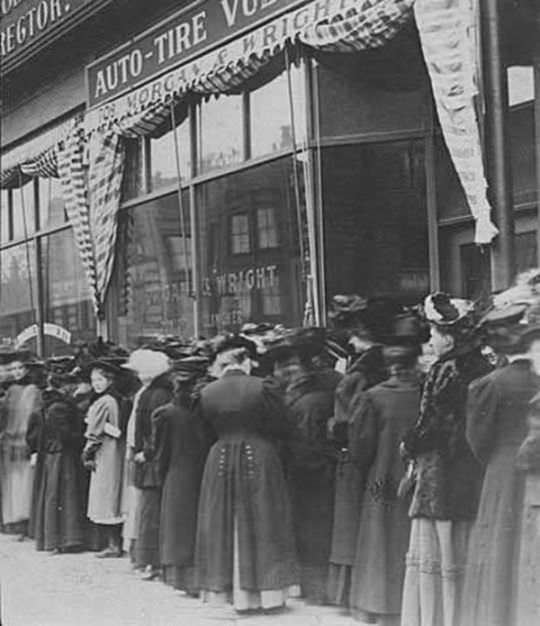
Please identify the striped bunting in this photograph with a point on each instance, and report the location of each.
(369, 24)
(107, 161)
(445, 29)
(72, 176)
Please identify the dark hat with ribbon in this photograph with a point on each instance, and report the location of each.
(228, 343)
(347, 310)
(189, 369)
(305, 342)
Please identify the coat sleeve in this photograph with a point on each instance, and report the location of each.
(102, 412)
(363, 433)
(34, 431)
(482, 401)
(528, 457)
(441, 398)
(160, 449)
(276, 420)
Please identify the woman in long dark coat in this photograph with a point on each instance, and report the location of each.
(448, 477)
(245, 552)
(358, 322)
(496, 426)
(311, 456)
(152, 367)
(388, 411)
(59, 523)
(180, 446)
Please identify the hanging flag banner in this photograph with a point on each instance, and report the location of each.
(196, 29)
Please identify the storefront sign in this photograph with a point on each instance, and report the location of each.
(187, 34)
(241, 282)
(51, 330)
(25, 22)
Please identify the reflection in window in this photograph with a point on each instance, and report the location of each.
(24, 223)
(163, 157)
(51, 203)
(68, 302)
(240, 234)
(221, 137)
(262, 283)
(133, 180)
(267, 230)
(4, 215)
(18, 291)
(270, 114)
(376, 239)
(154, 295)
(526, 247)
(520, 85)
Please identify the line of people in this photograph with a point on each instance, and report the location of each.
(351, 466)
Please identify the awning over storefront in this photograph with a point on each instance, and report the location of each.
(338, 25)
(36, 156)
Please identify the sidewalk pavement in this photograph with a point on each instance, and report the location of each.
(37, 589)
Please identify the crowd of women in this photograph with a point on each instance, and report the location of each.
(389, 464)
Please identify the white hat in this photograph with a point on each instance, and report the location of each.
(148, 363)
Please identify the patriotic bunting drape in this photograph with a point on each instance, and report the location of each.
(73, 178)
(445, 28)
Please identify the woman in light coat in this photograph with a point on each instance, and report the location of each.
(104, 456)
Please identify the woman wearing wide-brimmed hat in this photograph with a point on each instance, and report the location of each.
(498, 408)
(310, 455)
(180, 445)
(103, 453)
(245, 549)
(22, 399)
(59, 515)
(387, 412)
(361, 325)
(448, 477)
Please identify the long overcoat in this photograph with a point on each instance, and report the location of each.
(146, 475)
(496, 426)
(16, 473)
(180, 445)
(311, 467)
(388, 411)
(365, 372)
(244, 507)
(59, 514)
(105, 440)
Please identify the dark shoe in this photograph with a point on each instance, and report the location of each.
(151, 573)
(109, 553)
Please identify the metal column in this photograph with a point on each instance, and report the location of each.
(497, 145)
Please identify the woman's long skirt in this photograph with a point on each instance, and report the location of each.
(245, 550)
(17, 479)
(147, 540)
(434, 572)
(59, 513)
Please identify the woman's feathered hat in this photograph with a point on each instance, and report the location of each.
(442, 310)
(305, 342)
(511, 320)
